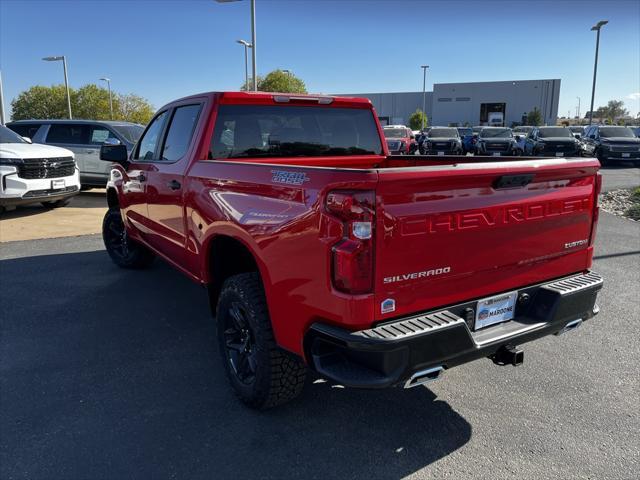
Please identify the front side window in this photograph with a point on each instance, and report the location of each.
(68, 133)
(131, 133)
(180, 132)
(246, 131)
(151, 138)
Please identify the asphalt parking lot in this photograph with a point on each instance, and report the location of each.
(106, 373)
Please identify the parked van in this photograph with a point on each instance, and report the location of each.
(83, 138)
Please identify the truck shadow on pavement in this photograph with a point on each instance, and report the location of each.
(107, 373)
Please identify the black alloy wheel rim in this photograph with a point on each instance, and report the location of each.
(240, 344)
(116, 238)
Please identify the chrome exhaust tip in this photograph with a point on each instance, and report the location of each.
(570, 326)
(424, 376)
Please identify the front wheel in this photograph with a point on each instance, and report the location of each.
(261, 374)
(124, 252)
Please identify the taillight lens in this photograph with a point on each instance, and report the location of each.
(596, 209)
(352, 257)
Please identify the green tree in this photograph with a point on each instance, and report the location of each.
(418, 119)
(133, 108)
(278, 81)
(41, 102)
(89, 102)
(614, 109)
(534, 117)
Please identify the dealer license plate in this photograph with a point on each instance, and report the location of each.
(496, 154)
(498, 309)
(440, 153)
(559, 154)
(626, 155)
(57, 184)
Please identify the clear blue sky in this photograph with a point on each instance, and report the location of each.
(163, 49)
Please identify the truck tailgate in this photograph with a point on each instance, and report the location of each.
(451, 233)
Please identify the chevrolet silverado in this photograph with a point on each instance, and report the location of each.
(320, 251)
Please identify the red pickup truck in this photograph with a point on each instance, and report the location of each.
(321, 251)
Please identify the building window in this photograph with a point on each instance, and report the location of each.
(444, 99)
(463, 99)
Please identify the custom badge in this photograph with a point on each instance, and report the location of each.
(388, 305)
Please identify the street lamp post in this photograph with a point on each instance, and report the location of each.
(247, 45)
(578, 112)
(595, 28)
(108, 80)
(253, 41)
(424, 92)
(1, 102)
(66, 79)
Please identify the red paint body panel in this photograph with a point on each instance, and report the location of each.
(430, 214)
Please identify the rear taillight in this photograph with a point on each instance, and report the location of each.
(596, 209)
(352, 257)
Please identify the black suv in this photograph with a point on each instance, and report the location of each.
(611, 143)
(442, 141)
(552, 142)
(497, 141)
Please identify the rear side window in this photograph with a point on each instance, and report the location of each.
(151, 138)
(250, 131)
(69, 134)
(25, 130)
(100, 134)
(180, 132)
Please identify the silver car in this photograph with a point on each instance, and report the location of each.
(83, 138)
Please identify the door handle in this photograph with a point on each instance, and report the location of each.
(174, 185)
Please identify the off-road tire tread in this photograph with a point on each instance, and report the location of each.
(287, 373)
(142, 257)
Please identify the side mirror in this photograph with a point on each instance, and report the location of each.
(114, 154)
(27, 139)
(518, 137)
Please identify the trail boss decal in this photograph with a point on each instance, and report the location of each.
(405, 277)
(289, 178)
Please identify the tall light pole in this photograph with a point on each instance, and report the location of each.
(578, 113)
(2, 119)
(253, 41)
(108, 80)
(424, 92)
(596, 28)
(66, 79)
(247, 45)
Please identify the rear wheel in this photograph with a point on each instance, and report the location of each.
(261, 374)
(124, 252)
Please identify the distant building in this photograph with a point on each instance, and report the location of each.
(471, 103)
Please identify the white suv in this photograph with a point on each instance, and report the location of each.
(35, 173)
